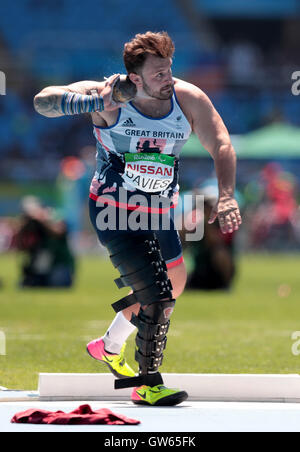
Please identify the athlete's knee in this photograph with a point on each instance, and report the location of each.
(178, 278)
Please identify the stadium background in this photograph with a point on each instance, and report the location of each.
(243, 55)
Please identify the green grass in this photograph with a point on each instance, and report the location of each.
(247, 330)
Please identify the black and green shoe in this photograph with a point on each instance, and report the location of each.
(157, 396)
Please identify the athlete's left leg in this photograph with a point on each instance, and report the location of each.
(142, 267)
(110, 347)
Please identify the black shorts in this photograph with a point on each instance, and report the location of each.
(165, 231)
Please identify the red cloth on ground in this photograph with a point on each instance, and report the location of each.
(83, 415)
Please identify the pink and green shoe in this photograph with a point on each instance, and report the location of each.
(116, 363)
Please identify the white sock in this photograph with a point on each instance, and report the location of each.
(119, 330)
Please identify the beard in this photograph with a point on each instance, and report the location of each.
(164, 94)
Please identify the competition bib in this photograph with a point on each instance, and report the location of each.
(149, 172)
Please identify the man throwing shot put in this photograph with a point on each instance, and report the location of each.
(140, 125)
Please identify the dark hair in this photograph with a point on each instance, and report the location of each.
(136, 51)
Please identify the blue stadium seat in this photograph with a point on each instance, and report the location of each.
(93, 35)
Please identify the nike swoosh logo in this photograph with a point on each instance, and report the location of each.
(142, 394)
(109, 360)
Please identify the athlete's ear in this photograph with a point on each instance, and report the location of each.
(136, 79)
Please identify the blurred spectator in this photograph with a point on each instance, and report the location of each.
(8, 229)
(44, 240)
(213, 263)
(73, 184)
(275, 221)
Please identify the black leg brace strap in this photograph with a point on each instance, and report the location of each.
(149, 380)
(153, 324)
(140, 263)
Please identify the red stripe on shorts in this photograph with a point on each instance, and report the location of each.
(175, 263)
(123, 205)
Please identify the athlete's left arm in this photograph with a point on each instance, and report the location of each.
(213, 134)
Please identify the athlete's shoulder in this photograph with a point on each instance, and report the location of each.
(192, 99)
(187, 92)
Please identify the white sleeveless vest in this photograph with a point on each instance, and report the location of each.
(135, 132)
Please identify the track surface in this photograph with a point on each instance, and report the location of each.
(187, 417)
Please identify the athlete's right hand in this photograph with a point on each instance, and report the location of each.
(107, 93)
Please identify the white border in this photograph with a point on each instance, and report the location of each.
(200, 387)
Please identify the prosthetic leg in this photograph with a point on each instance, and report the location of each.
(142, 268)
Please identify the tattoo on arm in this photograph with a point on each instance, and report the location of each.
(51, 101)
(48, 105)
